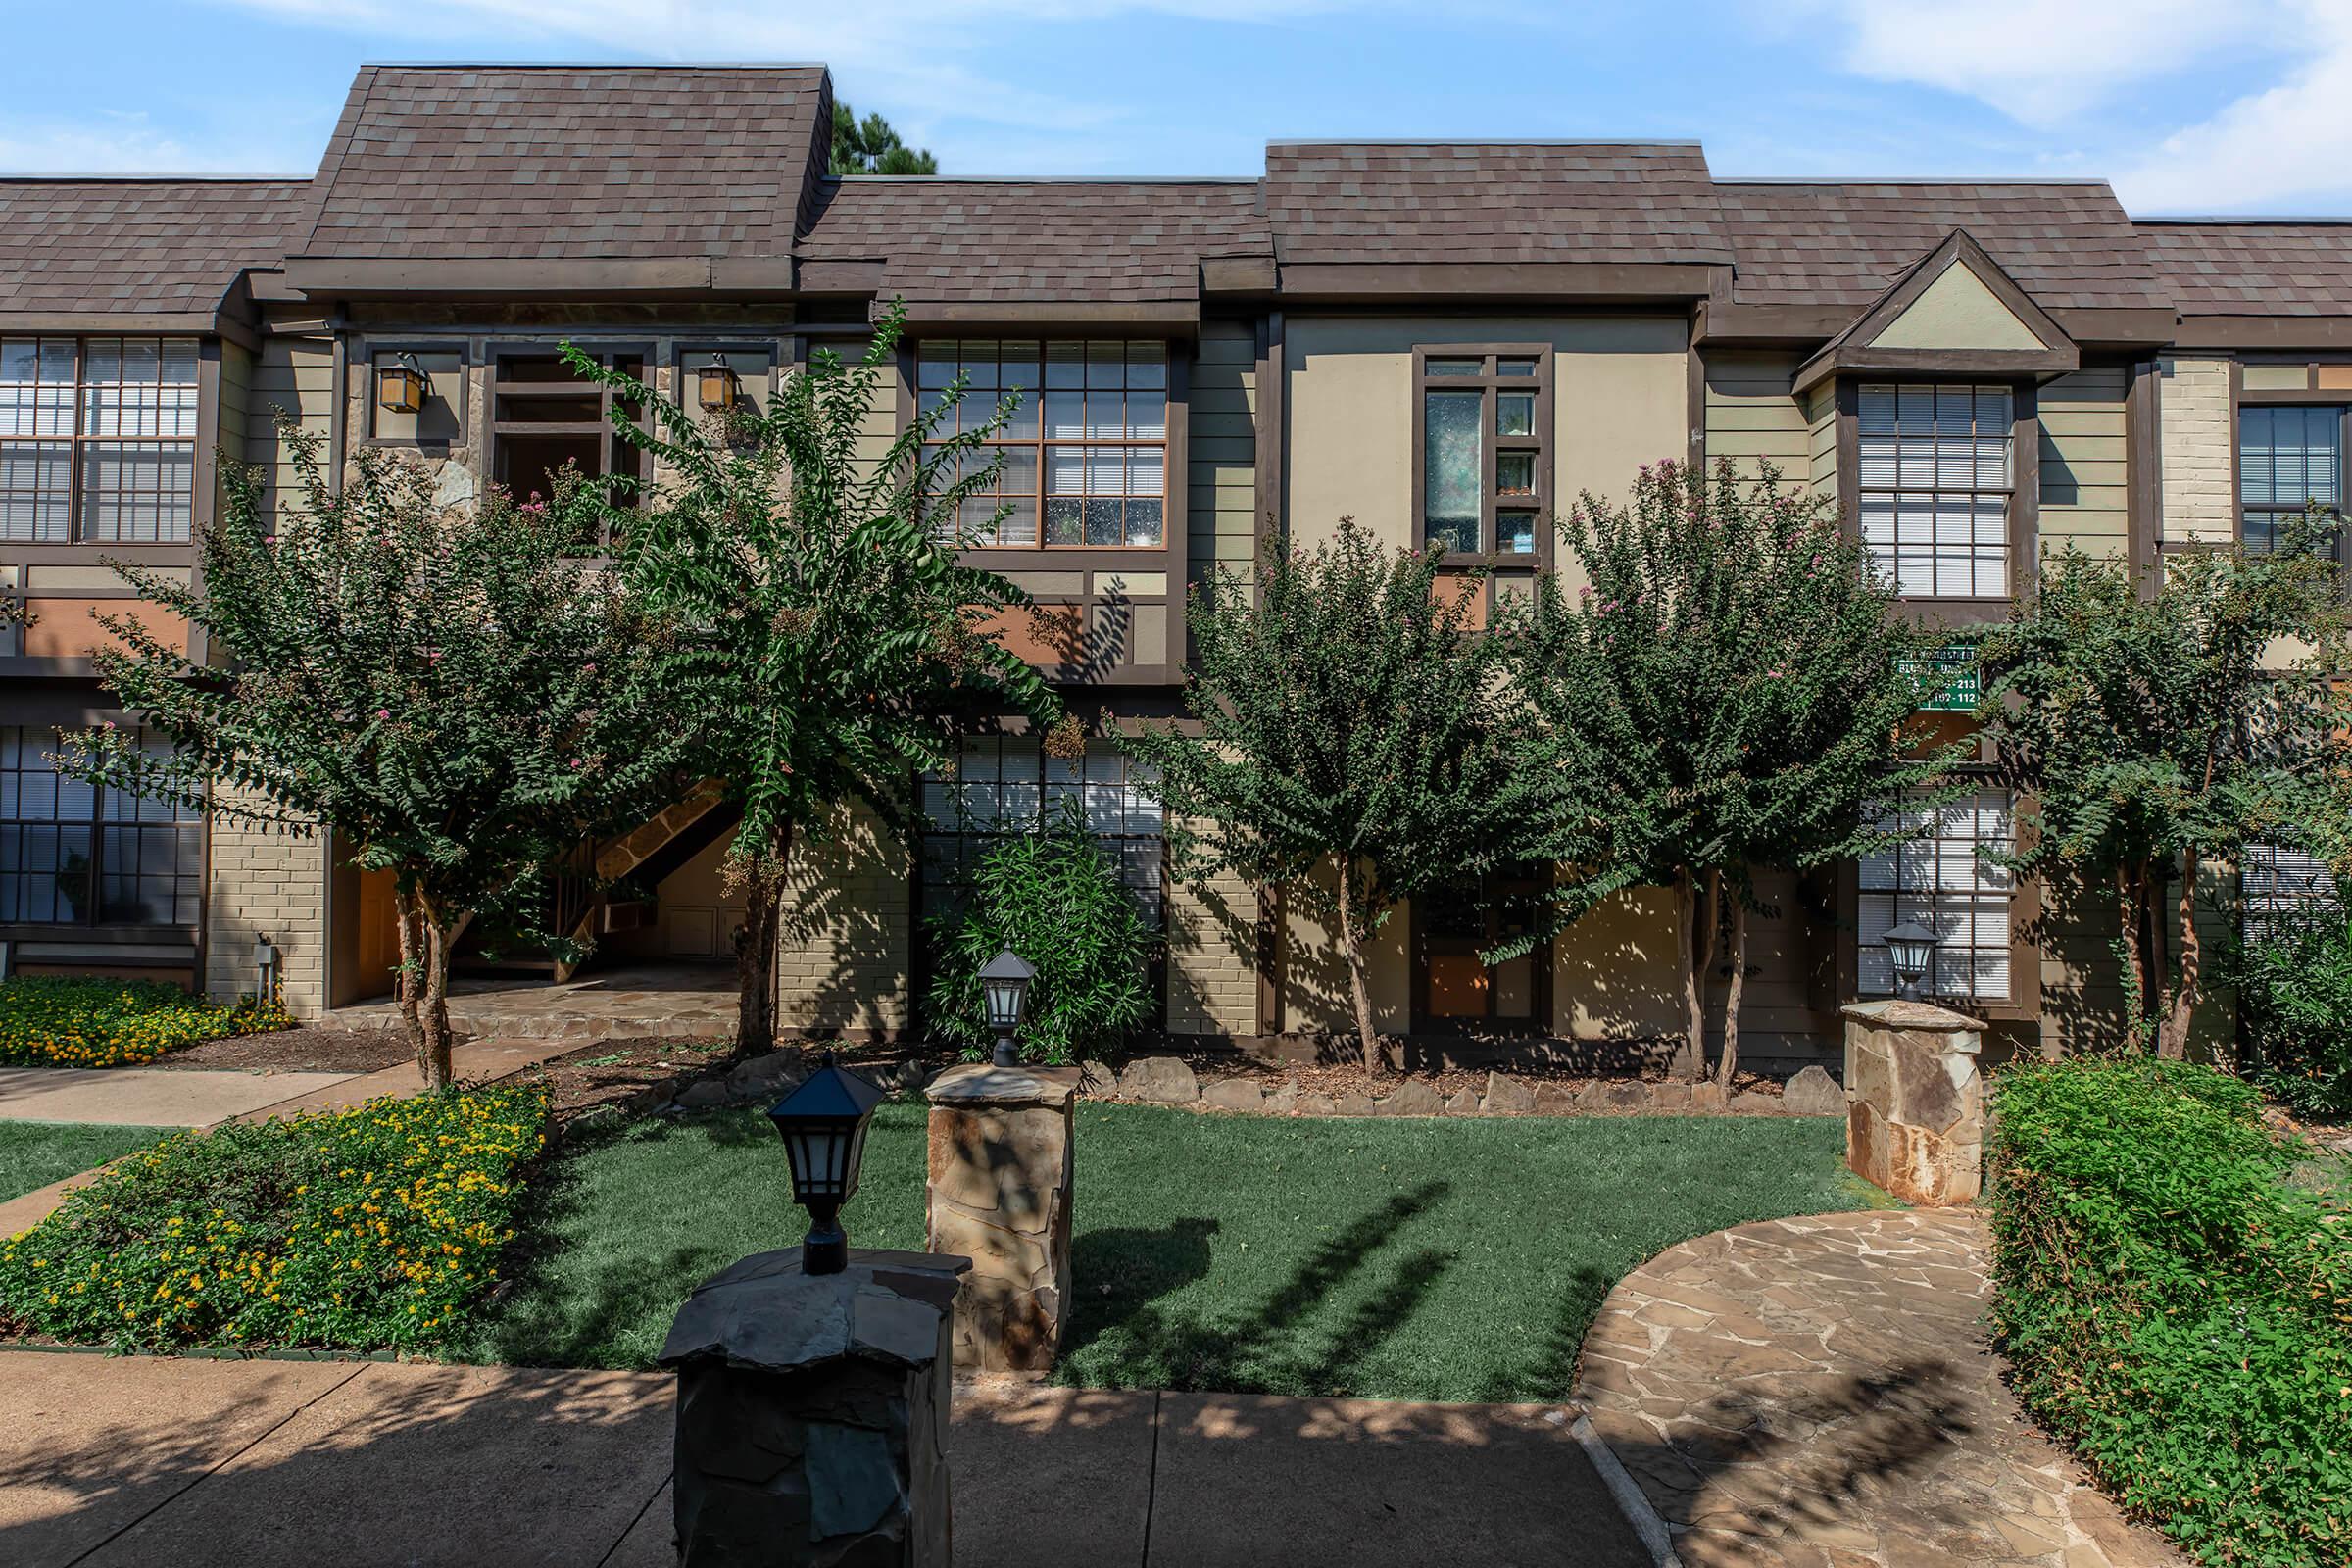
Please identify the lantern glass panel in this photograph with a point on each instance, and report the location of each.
(717, 387)
(1004, 1004)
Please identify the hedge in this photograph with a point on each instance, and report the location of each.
(2176, 1306)
(74, 1021)
(378, 1227)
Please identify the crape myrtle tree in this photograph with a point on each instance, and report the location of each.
(452, 691)
(2163, 731)
(1350, 738)
(1729, 689)
(830, 641)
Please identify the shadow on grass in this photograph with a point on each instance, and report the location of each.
(1126, 1275)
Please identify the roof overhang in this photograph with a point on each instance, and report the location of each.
(2267, 333)
(2020, 340)
(1448, 283)
(408, 276)
(1174, 318)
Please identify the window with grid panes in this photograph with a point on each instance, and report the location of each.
(97, 439)
(1002, 785)
(2279, 883)
(1935, 875)
(1935, 487)
(1483, 448)
(2287, 457)
(72, 854)
(1084, 453)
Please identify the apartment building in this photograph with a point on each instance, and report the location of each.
(1442, 340)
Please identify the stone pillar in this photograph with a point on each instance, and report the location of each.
(813, 1413)
(1000, 1192)
(1915, 1101)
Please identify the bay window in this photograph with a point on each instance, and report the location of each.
(1085, 453)
(97, 439)
(1936, 476)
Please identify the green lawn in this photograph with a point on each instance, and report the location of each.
(34, 1153)
(1427, 1259)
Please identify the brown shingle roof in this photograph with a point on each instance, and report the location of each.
(1838, 243)
(136, 246)
(568, 162)
(949, 239)
(2253, 267)
(1440, 202)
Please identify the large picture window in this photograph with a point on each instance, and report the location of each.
(1935, 480)
(1002, 785)
(71, 854)
(97, 439)
(1481, 449)
(1935, 875)
(1084, 453)
(2280, 884)
(2287, 457)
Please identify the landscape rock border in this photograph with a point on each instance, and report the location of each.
(1168, 1081)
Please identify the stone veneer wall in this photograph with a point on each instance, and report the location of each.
(265, 881)
(2194, 438)
(844, 962)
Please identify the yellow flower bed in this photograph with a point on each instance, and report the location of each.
(382, 1226)
(73, 1021)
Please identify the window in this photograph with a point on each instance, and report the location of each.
(2283, 884)
(1482, 418)
(1935, 875)
(1006, 784)
(1935, 487)
(1084, 453)
(543, 416)
(71, 854)
(2287, 455)
(97, 439)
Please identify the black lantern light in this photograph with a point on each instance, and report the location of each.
(1004, 987)
(716, 386)
(823, 1126)
(1912, 946)
(400, 385)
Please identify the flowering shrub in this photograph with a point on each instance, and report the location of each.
(74, 1021)
(377, 1227)
(2175, 1305)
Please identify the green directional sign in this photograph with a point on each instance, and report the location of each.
(1954, 665)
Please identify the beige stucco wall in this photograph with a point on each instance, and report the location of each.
(2193, 437)
(1315, 992)
(1615, 974)
(2084, 479)
(267, 881)
(1619, 400)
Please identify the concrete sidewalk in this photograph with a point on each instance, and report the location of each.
(147, 1460)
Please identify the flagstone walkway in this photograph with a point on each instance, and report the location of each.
(670, 1002)
(1819, 1392)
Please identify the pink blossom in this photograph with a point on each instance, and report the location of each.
(588, 669)
(383, 713)
(108, 724)
(576, 762)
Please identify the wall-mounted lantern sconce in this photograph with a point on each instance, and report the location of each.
(716, 386)
(400, 385)
(266, 970)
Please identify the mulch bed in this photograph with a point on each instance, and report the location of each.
(1347, 1078)
(307, 1048)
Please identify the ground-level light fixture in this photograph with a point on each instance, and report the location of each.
(1004, 988)
(714, 386)
(400, 385)
(1912, 946)
(822, 1123)
(265, 968)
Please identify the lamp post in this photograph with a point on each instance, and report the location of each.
(264, 964)
(1004, 986)
(823, 1123)
(1912, 946)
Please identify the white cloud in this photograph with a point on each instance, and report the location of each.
(127, 145)
(2281, 149)
(2040, 63)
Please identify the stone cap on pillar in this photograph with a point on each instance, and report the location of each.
(1895, 1013)
(766, 1314)
(980, 1084)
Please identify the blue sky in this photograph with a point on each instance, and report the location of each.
(2237, 106)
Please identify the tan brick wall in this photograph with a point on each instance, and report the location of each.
(1212, 958)
(844, 961)
(267, 881)
(2194, 438)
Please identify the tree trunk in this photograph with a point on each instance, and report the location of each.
(432, 1037)
(2171, 1036)
(409, 983)
(1731, 1003)
(2131, 920)
(1698, 916)
(756, 953)
(1359, 990)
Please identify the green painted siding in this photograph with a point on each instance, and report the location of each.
(1221, 498)
(2084, 473)
(295, 374)
(1752, 418)
(1821, 438)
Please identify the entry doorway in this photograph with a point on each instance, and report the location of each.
(1454, 989)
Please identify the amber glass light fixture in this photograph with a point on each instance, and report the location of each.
(400, 385)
